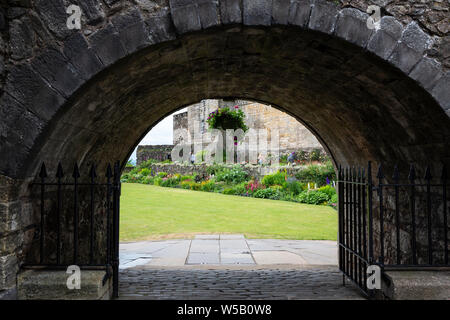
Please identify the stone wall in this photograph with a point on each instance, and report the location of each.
(253, 171)
(43, 65)
(157, 152)
(293, 136)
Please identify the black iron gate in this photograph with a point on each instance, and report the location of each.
(78, 221)
(383, 224)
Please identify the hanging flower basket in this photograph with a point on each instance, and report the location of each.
(225, 118)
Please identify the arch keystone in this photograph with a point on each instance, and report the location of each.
(352, 26)
(411, 48)
(257, 12)
(386, 38)
(323, 16)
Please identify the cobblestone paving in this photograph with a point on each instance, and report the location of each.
(280, 283)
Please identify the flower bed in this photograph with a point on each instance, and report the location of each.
(313, 185)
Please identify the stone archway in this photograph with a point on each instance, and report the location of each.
(89, 96)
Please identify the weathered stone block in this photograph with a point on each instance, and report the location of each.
(9, 267)
(52, 285)
(208, 11)
(323, 16)
(106, 44)
(417, 285)
(441, 91)
(132, 30)
(427, 72)
(21, 39)
(161, 27)
(92, 10)
(385, 39)
(23, 126)
(53, 67)
(81, 56)
(410, 50)
(257, 12)
(299, 12)
(230, 11)
(352, 26)
(280, 11)
(185, 15)
(53, 13)
(11, 242)
(31, 90)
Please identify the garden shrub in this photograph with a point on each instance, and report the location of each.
(145, 172)
(268, 193)
(317, 173)
(313, 197)
(169, 182)
(162, 174)
(295, 187)
(329, 190)
(147, 164)
(334, 198)
(157, 181)
(233, 175)
(277, 178)
(208, 185)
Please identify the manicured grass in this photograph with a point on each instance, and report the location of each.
(151, 212)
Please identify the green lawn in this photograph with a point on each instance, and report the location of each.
(151, 212)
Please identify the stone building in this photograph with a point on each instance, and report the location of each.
(293, 136)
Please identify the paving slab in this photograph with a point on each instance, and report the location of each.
(203, 258)
(204, 246)
(236, 258)
(207, 237)
(231, 236)
(167, 261)
(277, 257)
(234, 246)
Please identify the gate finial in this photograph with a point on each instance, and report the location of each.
(428, 173)
(444, 173)
(412, 173)
(43, 172)
(396, 175)
(59, 171)
(76, 171)
(92, 172)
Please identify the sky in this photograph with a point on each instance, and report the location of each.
(162, 133)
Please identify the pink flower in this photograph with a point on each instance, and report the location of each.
(236, 107)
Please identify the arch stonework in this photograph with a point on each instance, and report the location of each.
(89, 95)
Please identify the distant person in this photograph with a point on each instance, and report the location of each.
(192, 158)
(290, 158)
(260, 159)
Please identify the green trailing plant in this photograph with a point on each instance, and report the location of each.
(226, 118)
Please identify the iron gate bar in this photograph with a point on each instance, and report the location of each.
(370, 206)
(412, 177)
(75, 175)
(430, 244)
(112, 235)
(444, 195)
(93, 175)
(59, 176)
(396, 178)
(42, 175)
(364, 213)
